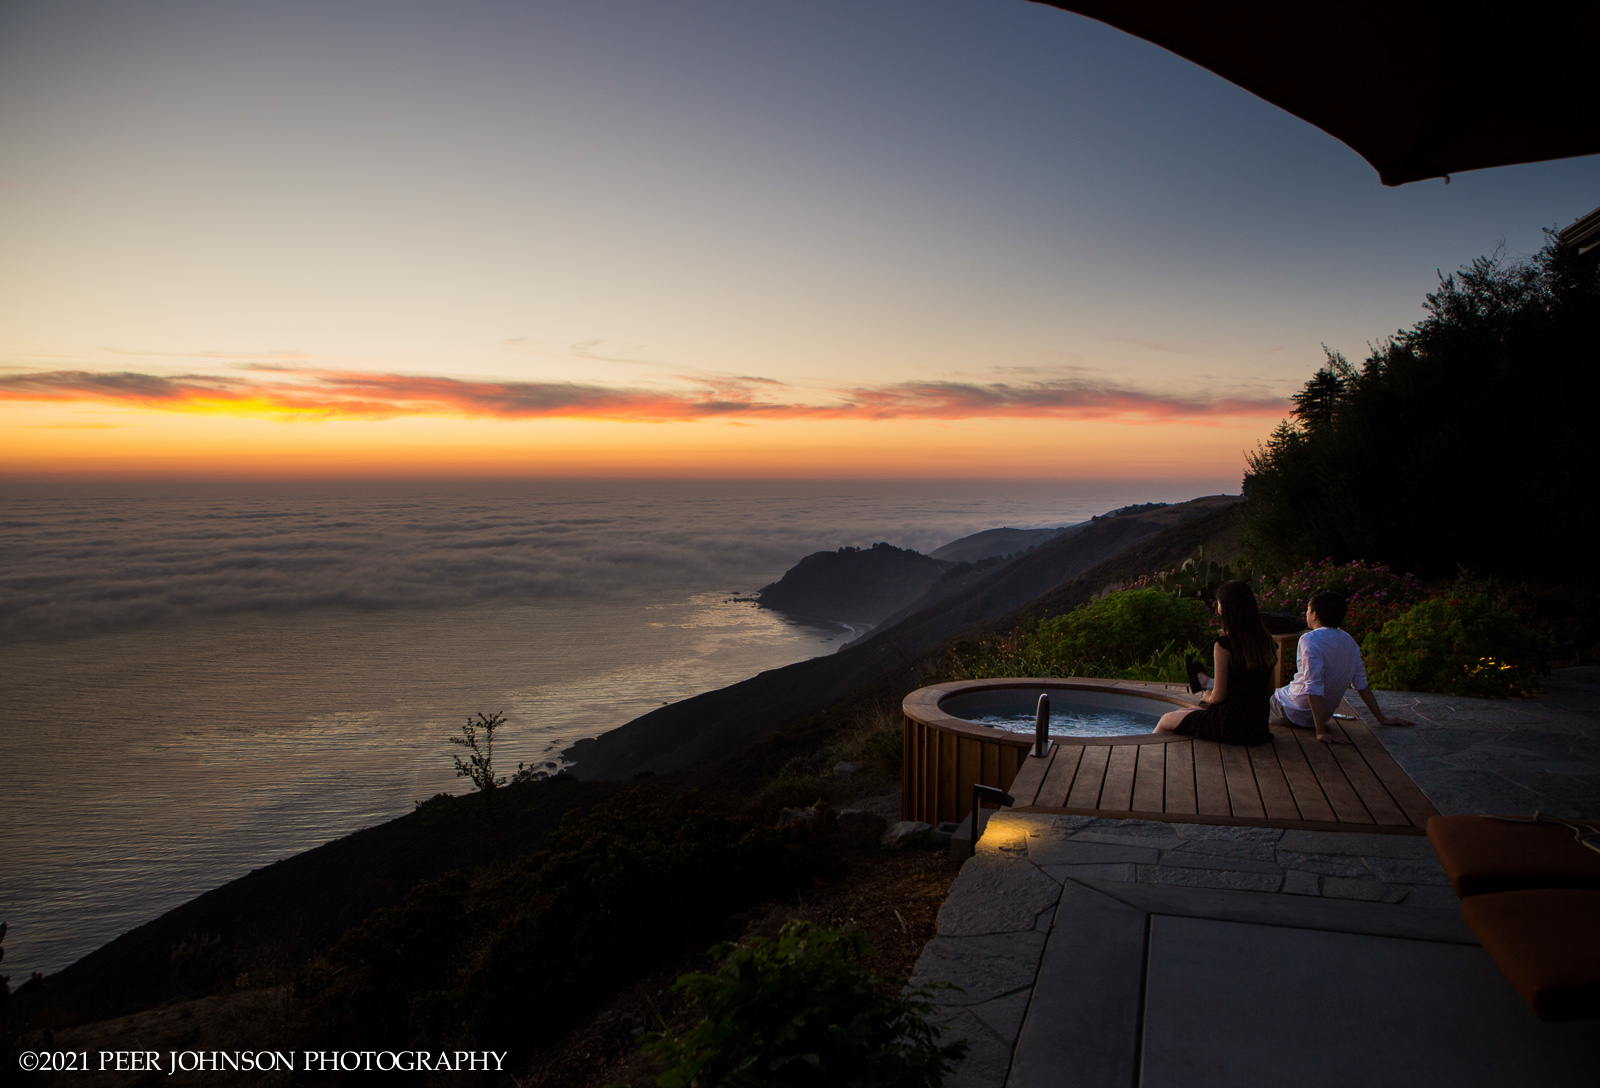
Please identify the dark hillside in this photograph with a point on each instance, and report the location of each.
(290, 909)
(719, 722)
(992, 543)
(1218, 532)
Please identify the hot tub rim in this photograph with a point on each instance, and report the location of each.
(922, 706)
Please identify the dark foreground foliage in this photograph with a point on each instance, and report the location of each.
(510, 959)
(802, 1011)
(1467, 440)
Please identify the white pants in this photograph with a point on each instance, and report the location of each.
(1276, 716)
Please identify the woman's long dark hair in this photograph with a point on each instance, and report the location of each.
(1253, 647)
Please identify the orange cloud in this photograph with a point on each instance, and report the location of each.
(336, 394)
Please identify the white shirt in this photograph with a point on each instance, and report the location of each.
(1329, 661)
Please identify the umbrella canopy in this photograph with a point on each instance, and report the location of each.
(1418, 90)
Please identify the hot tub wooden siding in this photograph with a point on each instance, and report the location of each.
(944, 756)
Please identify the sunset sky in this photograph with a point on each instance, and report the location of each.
(916, 238)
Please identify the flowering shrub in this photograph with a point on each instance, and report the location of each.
(1375, 594)
(1456, 646)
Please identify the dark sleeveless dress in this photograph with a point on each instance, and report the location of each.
(1241, 718)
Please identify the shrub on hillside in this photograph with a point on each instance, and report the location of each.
(1134, 634)
(516, 955)
(1456, 646)
(1125, 629)
(1374, 593)
(803, 1011)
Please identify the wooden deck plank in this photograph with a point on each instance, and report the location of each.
(1150, 780)
(1244, 797)
(1406, 793)
(1379, 804)
(1085, 792)
(1346, 804)
(1276, 796)
(1059, 781)
(1117, 793)
(1180, 777)
(1210, 787)
(1302, 779)
(1030, 777)
(1294, 782)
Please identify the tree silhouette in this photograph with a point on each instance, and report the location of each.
(1315, 404)
(1466, 440)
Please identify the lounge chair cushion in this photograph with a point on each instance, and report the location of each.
(1482, 855)
(1546, 944)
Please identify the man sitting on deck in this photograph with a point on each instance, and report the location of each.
(1327, 661)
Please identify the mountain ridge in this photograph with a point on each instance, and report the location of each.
(713, 724)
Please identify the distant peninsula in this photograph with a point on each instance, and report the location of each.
(855, 586)
(862, 587)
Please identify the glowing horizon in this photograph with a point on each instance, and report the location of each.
(276, 419)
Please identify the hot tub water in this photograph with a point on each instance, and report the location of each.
(1072, 713)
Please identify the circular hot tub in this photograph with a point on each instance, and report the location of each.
(1074, 712)
(982, 731)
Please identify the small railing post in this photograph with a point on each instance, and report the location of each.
(1041, 726)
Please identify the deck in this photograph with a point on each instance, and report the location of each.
(1294, 782)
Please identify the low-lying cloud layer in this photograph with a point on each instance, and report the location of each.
(343, 394)
(75, 566)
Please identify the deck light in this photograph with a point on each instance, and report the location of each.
(996, 797)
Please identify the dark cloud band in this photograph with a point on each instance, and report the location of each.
(334, 394)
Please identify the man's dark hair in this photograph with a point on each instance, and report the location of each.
(1329, 607)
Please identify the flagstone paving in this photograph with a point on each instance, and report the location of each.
(1086, 950)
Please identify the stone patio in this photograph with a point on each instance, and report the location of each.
(1504, 755)
(1077, 950)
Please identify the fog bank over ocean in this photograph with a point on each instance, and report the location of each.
(202, 679)
(86, 559)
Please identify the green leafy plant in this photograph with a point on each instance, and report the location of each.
(801, 1011)
(1134, 634)
(1125, 629)
(1456, 646)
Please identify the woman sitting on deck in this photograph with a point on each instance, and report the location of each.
(1234, 711)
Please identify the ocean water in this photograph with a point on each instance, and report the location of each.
(200, 680)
